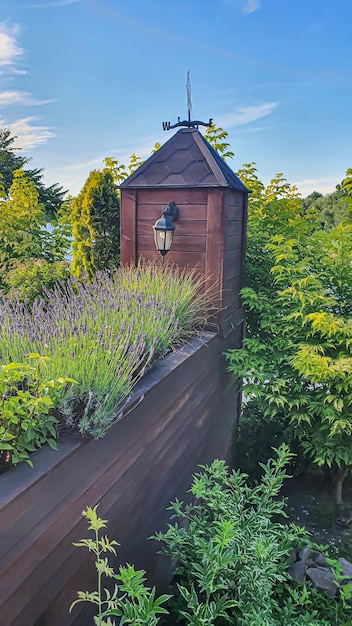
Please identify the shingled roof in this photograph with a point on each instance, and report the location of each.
(185, 160)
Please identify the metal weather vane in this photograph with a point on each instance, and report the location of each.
(189, 96)
(188, 123)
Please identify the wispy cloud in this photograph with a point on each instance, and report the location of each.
(251, 6)
(8, 98)
(28, 135)
(9, 49)
(245, 115)
(53, 5)
(323, 185)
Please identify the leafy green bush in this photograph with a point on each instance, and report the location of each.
(27, 399)
(28, 280)
(131, 600)
(231, 554)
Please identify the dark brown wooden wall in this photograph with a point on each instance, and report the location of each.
(209, 236)
(187, 417)
(234, 244)
(189, 245)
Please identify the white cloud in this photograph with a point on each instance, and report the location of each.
(28, 135)
(251, 6)
(8, 98)
(323, 185)
(9, 49)
(245, 115)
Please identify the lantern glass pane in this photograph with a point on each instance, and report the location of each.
(169, 235)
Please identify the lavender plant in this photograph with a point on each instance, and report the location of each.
(103, 334)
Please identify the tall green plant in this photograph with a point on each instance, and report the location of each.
(95, 217)
(230, 551)
(130, 600)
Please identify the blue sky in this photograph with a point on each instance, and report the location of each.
(85, 79)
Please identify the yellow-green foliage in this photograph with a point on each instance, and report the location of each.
(297, 360)
(96, 225)
(21, 218)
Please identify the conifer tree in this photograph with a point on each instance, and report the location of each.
(95, 218)
(21, 218)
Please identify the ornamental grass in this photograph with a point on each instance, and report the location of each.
(103, 334)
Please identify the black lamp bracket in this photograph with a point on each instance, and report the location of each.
(171, 212)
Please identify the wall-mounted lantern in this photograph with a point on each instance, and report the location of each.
(164, 229)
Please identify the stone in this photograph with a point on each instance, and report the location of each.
(320, 559)
(323, 580)
(297, 571)
(305, 554)
(346, 567)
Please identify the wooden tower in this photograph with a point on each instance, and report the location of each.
(210, 229)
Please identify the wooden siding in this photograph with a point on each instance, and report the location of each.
(209, 236)
(128, 228)
(187, 417)
(189, 244)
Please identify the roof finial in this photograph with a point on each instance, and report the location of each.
(188, 123)
(189, 96)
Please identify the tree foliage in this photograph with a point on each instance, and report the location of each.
(95, 218)
(50, 197)
(24, 241)
(297, 357)
(21, 219)
(332, 207)
(217, 137)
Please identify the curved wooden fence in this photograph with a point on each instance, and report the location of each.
(187, 417)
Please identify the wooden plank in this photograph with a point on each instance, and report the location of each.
(166, 444)
(181, 243)
(186, 212)
(234, 198)
(232, 270)
(181, 259)
(183, 227)
(233, 284)
(128, 227)
(233, 256)
(215, 245)
(234, 227)
(233, 242)
(235, 212)
(231, 299)
(179, 196)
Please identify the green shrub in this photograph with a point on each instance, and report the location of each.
(27, 400)
(28, 280)
(231, 553)
(130, 600)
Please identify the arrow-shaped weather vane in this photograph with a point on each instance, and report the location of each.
(188, 123)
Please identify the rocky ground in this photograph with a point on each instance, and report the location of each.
(309, 504)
